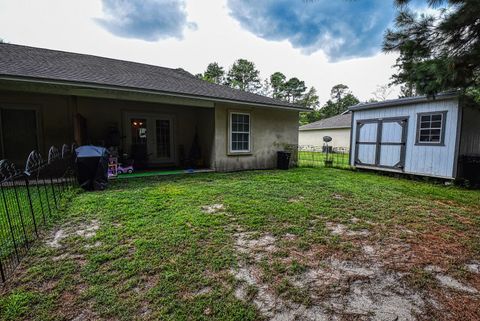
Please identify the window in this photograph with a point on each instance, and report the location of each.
(239, 133)
(430, 128)
(163, 137)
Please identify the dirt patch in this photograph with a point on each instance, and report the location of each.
(448, 281)
(473, 267)
(67, 256)
(214, 208)
(296, 199)
(337, 196)
(85, 230)
(57, 237)
(340, 229)
(94, 245)
(88, 230)
(338, 289)
(247, 244)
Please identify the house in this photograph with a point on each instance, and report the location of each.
(164, 117)
(437, 137)
(337, 127)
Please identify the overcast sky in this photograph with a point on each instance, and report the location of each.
(324, 42)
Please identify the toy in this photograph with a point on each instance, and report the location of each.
(112, 167)
(124, 169)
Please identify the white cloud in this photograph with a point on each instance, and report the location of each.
(69, 25)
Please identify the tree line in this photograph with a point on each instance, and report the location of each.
(244, 75)
(437, 52)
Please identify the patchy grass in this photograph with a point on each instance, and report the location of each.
(302, 243)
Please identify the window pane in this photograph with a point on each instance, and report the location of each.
(436, 117)
(435, 139)
(436, 124)
(435, 132)
(425, 118)
(425, 138)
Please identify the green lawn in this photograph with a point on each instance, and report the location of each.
(221, 246)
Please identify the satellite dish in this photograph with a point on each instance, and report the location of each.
(327, 139)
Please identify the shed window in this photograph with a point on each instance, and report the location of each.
(239, 132)
(430, 128)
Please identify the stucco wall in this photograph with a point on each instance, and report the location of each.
(271, 130)
(340, 137)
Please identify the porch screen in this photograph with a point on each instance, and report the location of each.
(19, 134)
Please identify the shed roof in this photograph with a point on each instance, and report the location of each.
(38, 64)
(405, 101)
(339, 121)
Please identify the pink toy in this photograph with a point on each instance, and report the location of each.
(124, 169)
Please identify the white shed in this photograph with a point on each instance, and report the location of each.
(416, 135)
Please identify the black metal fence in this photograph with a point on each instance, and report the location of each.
(29, 198)
(320, 156)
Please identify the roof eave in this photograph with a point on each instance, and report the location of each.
(323, 128)
(405, 101)
(146, 91)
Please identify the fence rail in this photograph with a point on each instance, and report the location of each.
(29, 198)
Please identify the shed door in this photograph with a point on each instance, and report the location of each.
(366, 142)
(392, 143)
(381, 142)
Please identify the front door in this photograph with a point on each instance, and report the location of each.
(150, 138)
(381, 142)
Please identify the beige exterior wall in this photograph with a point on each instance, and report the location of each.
(340, 137)
(271, 130)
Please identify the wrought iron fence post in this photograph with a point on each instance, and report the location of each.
(20, 213)
(9, 220)
(27, 185)
(40, 199)
(2, 273)
(46, 196)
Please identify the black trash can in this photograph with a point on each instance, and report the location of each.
(92, 167)
(283, 160)
(470, 168)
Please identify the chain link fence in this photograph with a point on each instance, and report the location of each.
(320, 156)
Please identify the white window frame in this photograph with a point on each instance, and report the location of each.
(441, 141)
(231, 132)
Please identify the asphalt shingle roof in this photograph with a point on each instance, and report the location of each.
(18, 61)
(339, 121)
